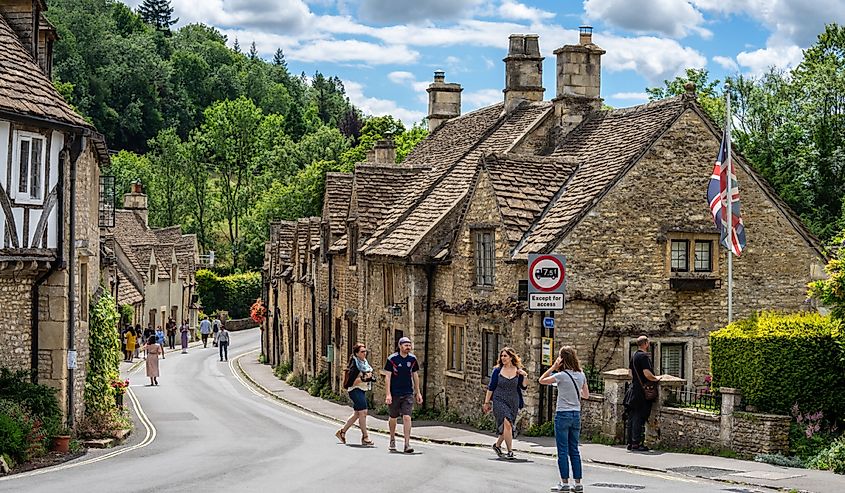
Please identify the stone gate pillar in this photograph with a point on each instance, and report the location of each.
(613, 426)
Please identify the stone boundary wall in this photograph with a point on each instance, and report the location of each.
(754, 433)
(236, 325)
(688, 428)
(592, 409)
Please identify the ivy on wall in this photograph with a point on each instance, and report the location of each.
(104, 355)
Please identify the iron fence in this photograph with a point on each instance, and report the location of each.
(595, 381)
(701, 398)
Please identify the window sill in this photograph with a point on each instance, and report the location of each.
(455, 374)
(694, 283)
(353, 268)
(479, 287)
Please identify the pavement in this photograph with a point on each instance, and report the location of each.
(730, 471)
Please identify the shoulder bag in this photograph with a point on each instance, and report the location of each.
(649, 388)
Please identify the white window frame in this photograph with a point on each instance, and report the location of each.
(16, 194)
(657, 354)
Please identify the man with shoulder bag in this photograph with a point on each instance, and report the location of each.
(640, 396)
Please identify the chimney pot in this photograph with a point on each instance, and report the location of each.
(523, 71)
(586, 36)
(517, 44)
(385, 151)
(439, 76)
(444, 101)
(136, 200)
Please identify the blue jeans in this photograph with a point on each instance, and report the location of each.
(567, 432)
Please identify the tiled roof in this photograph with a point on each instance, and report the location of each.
(339, 245)
(25, 89)
(523, 186)
(605, 146)
(336, 203)
(185, 245)
(127, 294)
(378, 188)
(454, 151)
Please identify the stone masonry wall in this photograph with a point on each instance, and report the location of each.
(688, 428)
(16, 326)
(760, 433)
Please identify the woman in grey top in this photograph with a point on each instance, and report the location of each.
(571, 388)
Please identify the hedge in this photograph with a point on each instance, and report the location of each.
(104, 355)
(234, 293)
(778, 360)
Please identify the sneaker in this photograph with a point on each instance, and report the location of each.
(561, 487)
(498, 450)
(392, 446)
(510, 456)
(643, 448)
(630, 446)
(409, 449)
(578, 488)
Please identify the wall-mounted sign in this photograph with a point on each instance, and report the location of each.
(547, 351)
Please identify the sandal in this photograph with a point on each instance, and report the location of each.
(365, 441)
(341, 435)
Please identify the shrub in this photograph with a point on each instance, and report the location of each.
(777, 360)
(832, 458)
(283, 370)
(99, 424)
(41, 400)
(780, 460)
(234, 293)
(22, 435)
(103, 356)
(546, 429)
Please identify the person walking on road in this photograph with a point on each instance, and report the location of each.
(505, 392)
(205, 329)
(357, 381)
(160, 336)
(171, 333)
(130, 336)
(571, 388)
(402, 384)
(638, 403)
(153, 350)
(216, 329)
(223, 342)
(184, 331)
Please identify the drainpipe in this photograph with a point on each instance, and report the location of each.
(76, 151)
(429, 275)
(55, 266)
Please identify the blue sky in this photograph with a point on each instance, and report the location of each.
(387, 50)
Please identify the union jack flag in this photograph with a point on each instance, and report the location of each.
(733, 238)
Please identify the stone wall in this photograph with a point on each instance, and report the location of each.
(239, 324)
(16, 326)
(687, 428)
(592, 414)
(754, 433)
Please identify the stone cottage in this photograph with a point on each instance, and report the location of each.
(619, 192)
(152, 270)
(49, 182)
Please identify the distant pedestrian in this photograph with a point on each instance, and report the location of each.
(171, 333)
(505, 392)
(638, 404)
(571, 388)
(357, 382)
(402, 384)
(139, 341)
(184, 332)
(148, 332)
(130, 336)
(205, 329)
(153, 350)
(223, 342)
(160, 336)
(215, 329)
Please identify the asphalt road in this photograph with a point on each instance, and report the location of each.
(203, 429)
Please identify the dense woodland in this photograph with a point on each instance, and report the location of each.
(222, 140)
(225, 141)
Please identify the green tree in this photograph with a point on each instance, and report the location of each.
(707, 92)
(197, 175)
(168, 179)
(157, 13)
(128, 167)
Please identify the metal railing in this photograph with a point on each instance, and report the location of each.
(701, 398)
(595, 381)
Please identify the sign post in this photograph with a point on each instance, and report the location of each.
(546, 281)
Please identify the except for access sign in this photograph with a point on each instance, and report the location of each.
(546, 281)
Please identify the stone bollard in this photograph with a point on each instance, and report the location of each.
(730, 402)
(668, 384)
(613, 425)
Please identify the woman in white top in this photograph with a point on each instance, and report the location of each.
(358, 379)
(571, 388)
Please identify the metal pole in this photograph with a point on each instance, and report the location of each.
(729, 212)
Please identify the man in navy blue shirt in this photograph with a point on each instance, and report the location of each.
(402, 384)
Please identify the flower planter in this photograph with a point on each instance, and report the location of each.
(61, 444)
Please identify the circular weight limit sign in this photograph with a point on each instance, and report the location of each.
(547, 273)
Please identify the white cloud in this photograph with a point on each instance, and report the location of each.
(483, 97)
(676, 18)
(630, 96)
(655, 59)
(351, 50)
(726, 63)
(380, 107)
(408, 79)
(488, 63)
(290, 16)
(759, 61)
(389, 11)
(510, 9)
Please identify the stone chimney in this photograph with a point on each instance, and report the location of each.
(136, 201)
(578, 80)
(523, 71)
(385, 152)
(23, 17)
(444, 100)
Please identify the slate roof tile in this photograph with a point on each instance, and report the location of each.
(336, 203)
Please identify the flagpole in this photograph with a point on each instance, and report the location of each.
(729, 213)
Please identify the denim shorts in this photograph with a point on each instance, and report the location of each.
(359, 399)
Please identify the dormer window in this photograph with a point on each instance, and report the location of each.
(152, 274)
(29, 157)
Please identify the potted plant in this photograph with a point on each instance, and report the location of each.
(61, 442)
(119, 387)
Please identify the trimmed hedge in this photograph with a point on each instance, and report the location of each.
(778, 360)
(234, 293)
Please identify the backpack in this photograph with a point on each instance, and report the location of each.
(216, 326)
(348, 375)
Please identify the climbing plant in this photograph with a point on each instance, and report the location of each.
(104, 355)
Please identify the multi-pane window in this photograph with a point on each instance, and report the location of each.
(107, 195)
(491, 344)
(485, 257)
(680, 259)
(31, 150)
(672, 359)
(455, 356)
(152, 274)
(352, 247)
(703, 251)
(387, 283)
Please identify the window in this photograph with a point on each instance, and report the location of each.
(153, 274)
(387, 283)
(386, 348)
(672, 359)
(455, 357)
(485, 257)
(296, 336)
(680, 262)
(29, 156)
(352, 247)
(325, 333)
(83, 292)
(703, 250)
(633, 349)
(106, 206)
(173, 273)
(351, 334)
(491, 344)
